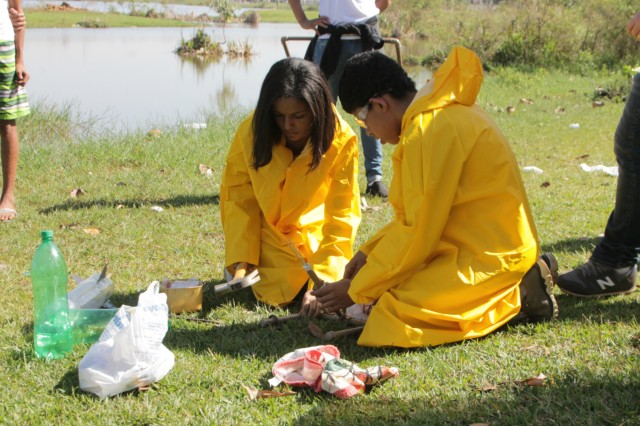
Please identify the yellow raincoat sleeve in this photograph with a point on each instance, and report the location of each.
(406, 243)
(342, 211)
(239, 208)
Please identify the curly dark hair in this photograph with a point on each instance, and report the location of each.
(302, 80)
(371, 74)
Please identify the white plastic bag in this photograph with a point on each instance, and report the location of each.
(91, 293)
(130, 353)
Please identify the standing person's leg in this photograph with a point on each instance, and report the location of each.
(371, 147)
(612, 268)
(9, 140)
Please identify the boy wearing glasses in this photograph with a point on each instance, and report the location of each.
(460, 258)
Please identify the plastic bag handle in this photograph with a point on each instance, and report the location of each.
(154, 288)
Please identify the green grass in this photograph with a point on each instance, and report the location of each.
(278, 16)
(40, 18)
(591, 356)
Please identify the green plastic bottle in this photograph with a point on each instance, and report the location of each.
(51, 331)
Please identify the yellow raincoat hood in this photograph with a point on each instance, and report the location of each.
(457, 81)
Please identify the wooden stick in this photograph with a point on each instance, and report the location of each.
(272, 320)
(332, 335)
(315, 278)
(208, 321)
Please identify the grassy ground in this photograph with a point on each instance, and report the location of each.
(42, 18)
(590, 357)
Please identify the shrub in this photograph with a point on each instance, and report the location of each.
(92, 23)
(250, 17)
(200, 44)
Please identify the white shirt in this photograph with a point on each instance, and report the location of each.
(6, 29)
(348, 11)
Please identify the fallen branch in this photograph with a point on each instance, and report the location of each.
(273, 319)
(333, 335)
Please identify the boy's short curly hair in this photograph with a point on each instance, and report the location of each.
(372, 74)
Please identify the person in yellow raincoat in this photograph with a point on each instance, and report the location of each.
(291, 180)
(449, 266)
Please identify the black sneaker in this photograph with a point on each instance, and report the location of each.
(594, 279)
(536, 292)
(377, 189)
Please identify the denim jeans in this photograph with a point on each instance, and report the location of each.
(371, 147)
(620, 246)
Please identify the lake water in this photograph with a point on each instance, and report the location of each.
(130, 78)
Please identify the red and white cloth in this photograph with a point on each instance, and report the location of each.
(321, 368)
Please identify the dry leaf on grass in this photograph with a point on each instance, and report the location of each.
(77, 192)
(532, 381)
(205, 170)
(583, 156)
(511, 109)
(261, 393)
(488, 387)
(545, 184)
(544, 348)
(526, 101)
(92, 231)
(560, 110)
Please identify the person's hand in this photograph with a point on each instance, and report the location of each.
(17, 19)
(633, 27)
(312, 24)
(354, 265)
(22, 76)
(334, 296)
(310, 305)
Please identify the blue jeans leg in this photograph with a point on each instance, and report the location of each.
(621, 243)
(371, 147)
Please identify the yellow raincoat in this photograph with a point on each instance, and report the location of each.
(262, 210)
(447, 268)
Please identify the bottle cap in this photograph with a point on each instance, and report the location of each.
(46, 234)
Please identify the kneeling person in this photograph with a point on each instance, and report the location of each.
(460, 257)
(290, 184)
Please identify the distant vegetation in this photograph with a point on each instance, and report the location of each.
(576, 35)
(199, 45)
